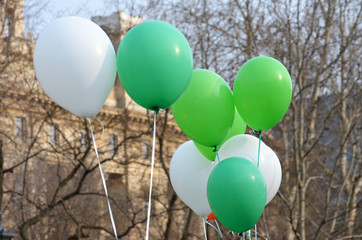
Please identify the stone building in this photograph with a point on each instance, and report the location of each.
(50, 183)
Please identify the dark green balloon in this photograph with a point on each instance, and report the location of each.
(205, 112)
(237, 128)
(262, 92)
(236, 192)
(154, 63)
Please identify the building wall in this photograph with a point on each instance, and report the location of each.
(53, 142)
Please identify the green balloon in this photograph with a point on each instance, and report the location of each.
(208, 152)
(236, 192)
(262, 92)
(205, 111)
(238, 127)
(154, 64)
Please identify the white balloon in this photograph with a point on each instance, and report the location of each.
(189, 173)
(75, 63)
(277, 175)
(246, 146)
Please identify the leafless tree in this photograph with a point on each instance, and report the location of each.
(318, 141)
(50, 183)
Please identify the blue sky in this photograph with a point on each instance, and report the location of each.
(38, 14)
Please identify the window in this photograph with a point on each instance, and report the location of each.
(112, 143)
(146, 150)
(20, 128)
(53, 134)
(83, 140)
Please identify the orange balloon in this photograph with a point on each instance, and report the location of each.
(211, 216)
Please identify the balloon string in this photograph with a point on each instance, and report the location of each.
(250, 233)
(208, 223)
(242, 236)
(101, 124)
(151, 178)
(258, 133)
(217, 154)
(103, 179)
(203, 221)
(259, 149)
(218, 227)
(256, 233)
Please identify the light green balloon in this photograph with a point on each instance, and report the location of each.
(208, 152)
(205, 112)
(262, 92)
(236, 192)
(238, 127)
(154, 63)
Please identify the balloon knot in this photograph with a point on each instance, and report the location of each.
(156, 110)
(215, 149)
(256, 132)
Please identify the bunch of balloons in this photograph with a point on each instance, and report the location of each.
(76, 65)
(247, 173)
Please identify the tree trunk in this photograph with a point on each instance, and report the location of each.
(1, 173)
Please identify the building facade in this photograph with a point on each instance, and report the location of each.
(50, 183)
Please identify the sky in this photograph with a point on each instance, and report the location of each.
(38, 14)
